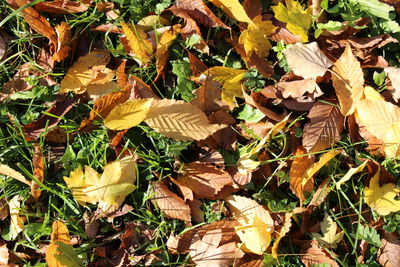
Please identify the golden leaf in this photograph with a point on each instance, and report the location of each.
(284, 230)
(230, 80)
(88, 69)
(254, 38)
(298, 20)
(8, 171)
(108, 189)
(350, 173)
(180, 120)
(233, 9)
(166, 40)
(128, 114)
(137, 40)
(348, 80)
(382, 199)
(256, 224)
(329, 236)
(307, 60)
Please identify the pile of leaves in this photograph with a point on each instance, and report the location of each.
(207, 133)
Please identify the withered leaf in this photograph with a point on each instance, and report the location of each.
(388, 253)
(162, 53)
(38, 170)
(298, 89)
(314, 254)
(63, 7)
(208, 96)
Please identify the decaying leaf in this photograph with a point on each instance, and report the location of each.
(388, 253)
(138, 43)
(17, 223)
(63, 7)
(298, 20)
(256, 224)
(313, 254)
(324, 129)
(307, 60)
(287, 223)
(109, 189)
(162, 54)
(329, 236)
(171, 204)
(254, 38)
(233, 9)
(60, 252)
(348, 80)
(38, 171)
(382, 198)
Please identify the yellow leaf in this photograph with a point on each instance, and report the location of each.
(315, 167)
(256, 224)
(348, 81)
(284, 230)
(233, 9)
(254, 39)
(17, 224)
(329, 236)
(180, 120)
(88, 69)
(382, 199)
(298, 20)
(152, 22)
(230, 80)
(60, 252)
(137, 40)
(109, 189)
(371, 94)
(350, 173)
(8, 171)
(167, 38)
(128, 114)
(96, 91)
(382, 119)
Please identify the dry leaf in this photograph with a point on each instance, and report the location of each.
(314, 254)
(254, 38)
(196, 211)
(38, 171)
(173, 206)
(297, 89)
(7, 171)
(109, 189)
(63, 7)
(64, 35)
(95, 91)
(180, 120)
(60, 253)
(141, 48)
(394, 77)
(298, 20)
(17, 223)
(382, 199)
(256, 224)
(4, 255)
(307, 60)
(329, 236)
(388, 253)
(3, 47)
(162, 53)
(89, 69)
(348, 80)
(128, 114)
(208, 96)
(284, 230)
(350, 173)
(233, 9)
(324, 129)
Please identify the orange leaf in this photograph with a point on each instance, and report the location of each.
(162, 53)
(38, 171)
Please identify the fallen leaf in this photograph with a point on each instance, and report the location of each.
(128, 114)
(17, 224)
(348, 80)
(38, 171)
(298, 89)
(307, 60)
(196, 211)
(230, 80)
(313, 254)
(89, 69)
(254, 38)
(324, 129)
(162, 53)
(233, 9)
(63, 7)
(350, 173)
(382, 199)
(141, 48)
(64, 38)
(208, 96)
(329, 236)
(173, 206)
(381, 119)
(8, 171)
(4, 209)
(256, 224)
(394, 77)
(205, 180)
(298, 20)
(3, 47)
(388, 253)
(180, 120)
(140, 89)
(95, 91)
(4, 255)
(287, 223)
(109, 189)
(60, 252)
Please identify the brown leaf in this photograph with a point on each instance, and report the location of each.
(224, 138)
(186, 192)
(4, 255)
(208, 96)
(3, 46)
(315, 254)
(199, 11)
(281, 33)
(61, 106)
(196, 65)
(162, 52)
(324, 129)
(180, 244)
(173, 206)
(389, 252)
(122, 78)
(205, 180)
(287, 223)
(57, 135)
(321, 194)
(299, 165)
(4, 209)
(394, 77)
(8, 171)
(63, 47)
(252, 8)
(196, 211)
(302, 90)
(140, 89)
(38, 171)
(63, 7)
(254, 100)
(37, 22)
